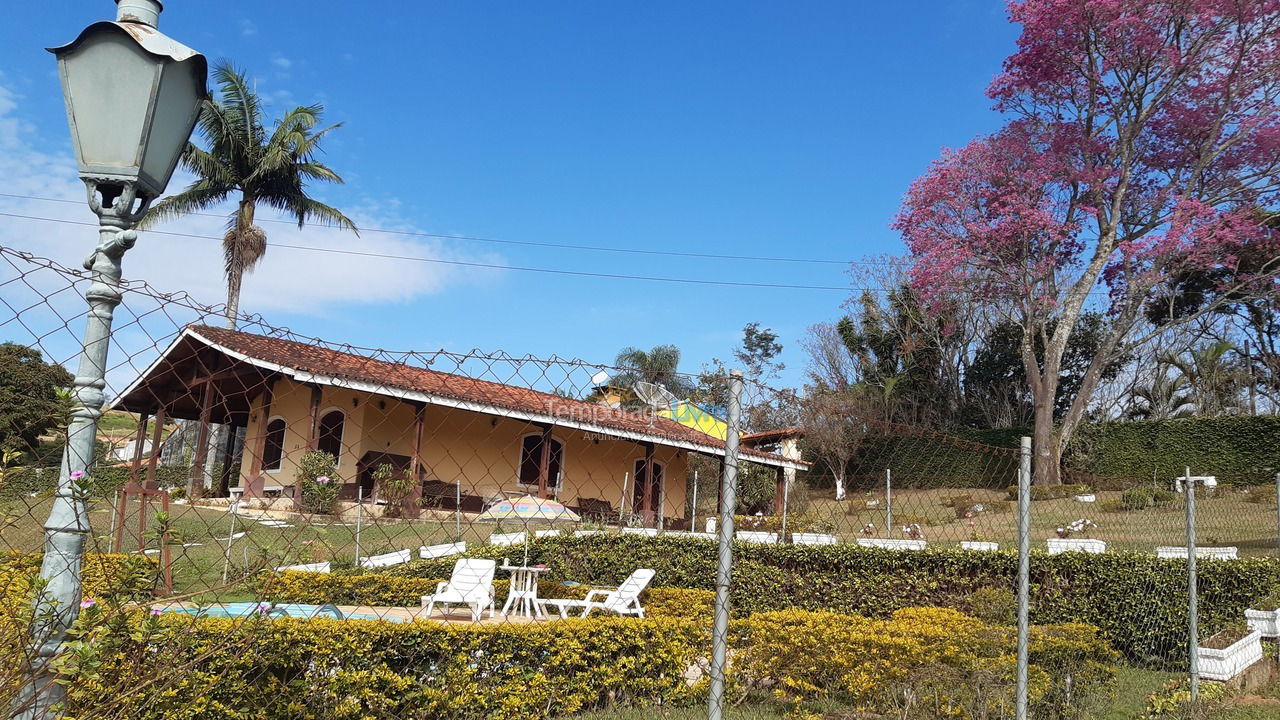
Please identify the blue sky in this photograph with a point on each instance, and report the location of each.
(743, 128)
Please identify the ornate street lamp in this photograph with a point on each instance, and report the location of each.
(133, 97)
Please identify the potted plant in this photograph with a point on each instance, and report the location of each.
(1264, 615)
(1228, 652)
(977, 540)
(1066, 543)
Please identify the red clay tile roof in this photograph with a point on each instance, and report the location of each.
(765, 437)
(325, 361)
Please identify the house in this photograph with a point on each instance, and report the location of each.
(468, 441)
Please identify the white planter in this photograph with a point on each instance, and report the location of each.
(813, 539)
(764, 538)
(1229, 662)
(1202, 553)
(1087, 498)
(888, 544)
(1266, 622)
(979, 545)
(1061, 545)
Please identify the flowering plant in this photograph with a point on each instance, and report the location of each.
(1082, 525)
(318, 482)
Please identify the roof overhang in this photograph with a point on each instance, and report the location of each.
(443, 401)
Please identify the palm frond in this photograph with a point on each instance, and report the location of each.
(306, 209)
(200, 195)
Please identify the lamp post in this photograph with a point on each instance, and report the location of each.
(133, 96)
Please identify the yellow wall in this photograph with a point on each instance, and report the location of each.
(482, 451)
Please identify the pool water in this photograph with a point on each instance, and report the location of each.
(292, 610)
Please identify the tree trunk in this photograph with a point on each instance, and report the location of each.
(233, 297)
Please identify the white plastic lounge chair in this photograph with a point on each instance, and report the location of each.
(622, 600)
(507, 539)
(471, 584)
(426, 552)
(392, 558)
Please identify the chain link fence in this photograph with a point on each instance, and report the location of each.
(281, 526)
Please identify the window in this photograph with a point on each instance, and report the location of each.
(273, 450)
(330, 439)
(531, 458)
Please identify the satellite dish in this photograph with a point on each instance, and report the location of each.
(654, 395)
(600, 378)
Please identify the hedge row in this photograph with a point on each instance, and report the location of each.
(1242, 450)
(1138, 601)
(358, 670)
(103, 576)
(106, 479)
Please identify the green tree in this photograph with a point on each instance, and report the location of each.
(271, 168)
(660, 366)
(1216, 382)
(33, 397)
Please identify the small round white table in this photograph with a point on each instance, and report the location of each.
(523, 593)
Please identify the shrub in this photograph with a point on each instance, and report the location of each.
(119, 578)
(318, 480)
(995, 605)
(1097, 590)
(953, 665)
(1138, 498)
(1049, 492)
(1163, 497)
(1113, 506)
(353, 670)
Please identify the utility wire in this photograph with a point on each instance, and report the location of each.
(460, 263)
(530, 243)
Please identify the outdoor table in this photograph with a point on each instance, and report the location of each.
(523, 594)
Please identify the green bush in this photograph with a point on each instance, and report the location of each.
(993, 604)
(1238, 450)
(1138, 498)
(1163, 497)
(367, 670)
(1098, 590)
(106, 479)
(1049, 492)
(317, 476)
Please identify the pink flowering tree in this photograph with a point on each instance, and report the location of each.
(1142, 143)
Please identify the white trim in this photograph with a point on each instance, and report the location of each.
(564, 452)
(429, 399)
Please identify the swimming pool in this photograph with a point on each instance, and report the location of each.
(292, 610)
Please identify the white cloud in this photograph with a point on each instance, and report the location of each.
(287, 280)
(248, 28)
(281, 62)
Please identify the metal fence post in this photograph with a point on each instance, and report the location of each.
(1193, 635)
(724, 555)
(888, 502)
(1024, 575)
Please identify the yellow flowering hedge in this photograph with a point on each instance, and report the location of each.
(362, 670)
(921, 662)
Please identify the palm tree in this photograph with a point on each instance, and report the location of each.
(1214, 379)
(1164, 398)
(270, 168)
(659, 366)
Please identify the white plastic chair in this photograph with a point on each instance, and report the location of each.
(392, 558)
(507, 539)
(427, 552)
(470, 584)
(622, 600)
